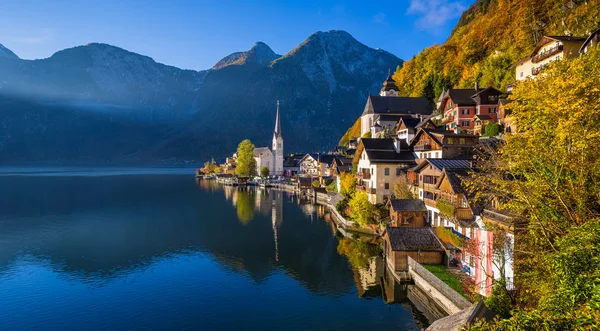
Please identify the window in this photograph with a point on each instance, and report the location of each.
(386, 171)
(450, 141)
(387, 186)
(420, 194)
(465, 112)
(398, 171)
(461, 141)
(493, 98)
(521, 73)
(492, 110)
(465, 123)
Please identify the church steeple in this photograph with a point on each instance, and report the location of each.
(389, 87)
(277, 132)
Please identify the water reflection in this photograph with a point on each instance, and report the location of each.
(176, 247)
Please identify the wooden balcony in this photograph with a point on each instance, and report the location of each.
(430, 202)
(448, 119)
(422, 147)
(546, 54)
(536, 71)
(363, 175)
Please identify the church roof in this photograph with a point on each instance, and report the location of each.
(277, 132)
(389, 84)
(398, 106)
(261, 150)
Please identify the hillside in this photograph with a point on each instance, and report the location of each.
(118, 106)
(489, 37)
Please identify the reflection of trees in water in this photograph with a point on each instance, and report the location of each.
(357, 251)
(245, 207)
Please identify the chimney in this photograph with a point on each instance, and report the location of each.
(476, 86)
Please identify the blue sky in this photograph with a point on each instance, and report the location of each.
(195, 34)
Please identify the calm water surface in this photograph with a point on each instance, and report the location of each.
(118, 250)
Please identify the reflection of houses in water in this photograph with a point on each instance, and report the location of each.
(368, 278)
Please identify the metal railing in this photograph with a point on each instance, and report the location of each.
(547, 53)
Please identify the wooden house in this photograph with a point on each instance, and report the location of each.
(480, 122)
(460, 105)
(453, 202)
(421, 244)
(407, 213)
(441, 144)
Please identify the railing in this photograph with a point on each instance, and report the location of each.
(535, 71)
(363, 175)
(547, 53)
(430, 202)
(423, 147)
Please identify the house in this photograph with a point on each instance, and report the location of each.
(438, 144)
(591, 41)
(340, 165)
(421, 244)
(380, 162)
(324, 165)
(460, 105)
(407, 213)
(264, 158)
(386, 109)
(547, 50)
(504, 117)
(309, 165)
(480, 122)
(291, 165)
(408, 126)
(426, 176)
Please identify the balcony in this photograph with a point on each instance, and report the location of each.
(422, 147)
(535, 71)
(448, 119)
(430, 202)
(363, 175)
(547, 53)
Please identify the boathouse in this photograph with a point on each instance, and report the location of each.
(407, 212)
(421, 244)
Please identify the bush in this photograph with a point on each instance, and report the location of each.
(492, 130)
(332, 187)
(361, 209)
(341, 207)
(316, 183)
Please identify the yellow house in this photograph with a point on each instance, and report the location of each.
(548, 50)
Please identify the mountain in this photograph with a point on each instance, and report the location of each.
(489, 37)
(7, 53)
(117, 106)
(260, 54)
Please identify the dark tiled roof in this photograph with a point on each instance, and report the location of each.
(398, 105)
(411, 122)
(442, 164)
(391, 157)
(413, 239)
(484, 117)
(423, 122)
(342, 161)
(498, 92)
(566, 38)
(455, 177)
(408, 205)
(389, 118)
(378, 144)
(326, 158)
(462, 97)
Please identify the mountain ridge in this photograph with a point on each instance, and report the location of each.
(176, 114)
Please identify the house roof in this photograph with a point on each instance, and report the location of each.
(438, 135)
(455, 177)
(326, 158)
(408, 205)
(342, 161)
(383, 151)
(458, 321)
(463, 97)
(261, 150)
(440, 164)
(484, 117)
(489, 88)
(389, 84)
(397, 105)
(410, 122)
(548, 39)
(389, 118)
(413, 239)
(587, 41)
(423, 122)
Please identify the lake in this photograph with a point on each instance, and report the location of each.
(100, 249)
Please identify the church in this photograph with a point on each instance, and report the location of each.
(272, 159)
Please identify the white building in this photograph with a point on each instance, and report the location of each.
(264, 158)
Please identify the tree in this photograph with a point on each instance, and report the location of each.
(347, 184)
(548, 175)
(264, 172)
(332, 187)
(361, 208)
(211, 167)
(245, 209)
(402, 188)
(492, 130)
(246, 164)
(316, 183)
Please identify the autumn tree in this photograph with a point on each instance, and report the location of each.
(347, 184)
(361, 208)
(246, 164)
(549, 177)
(402, 188)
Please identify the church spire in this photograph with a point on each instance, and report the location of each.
(277, 132)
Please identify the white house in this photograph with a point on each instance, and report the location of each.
(264, 158)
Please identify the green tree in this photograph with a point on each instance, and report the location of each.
(264, 172)
(361, 209)
(245, 209)
(316, 183)
(246, 164)
(332, 187)
(491, 130)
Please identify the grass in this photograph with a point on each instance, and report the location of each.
(440, 272)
